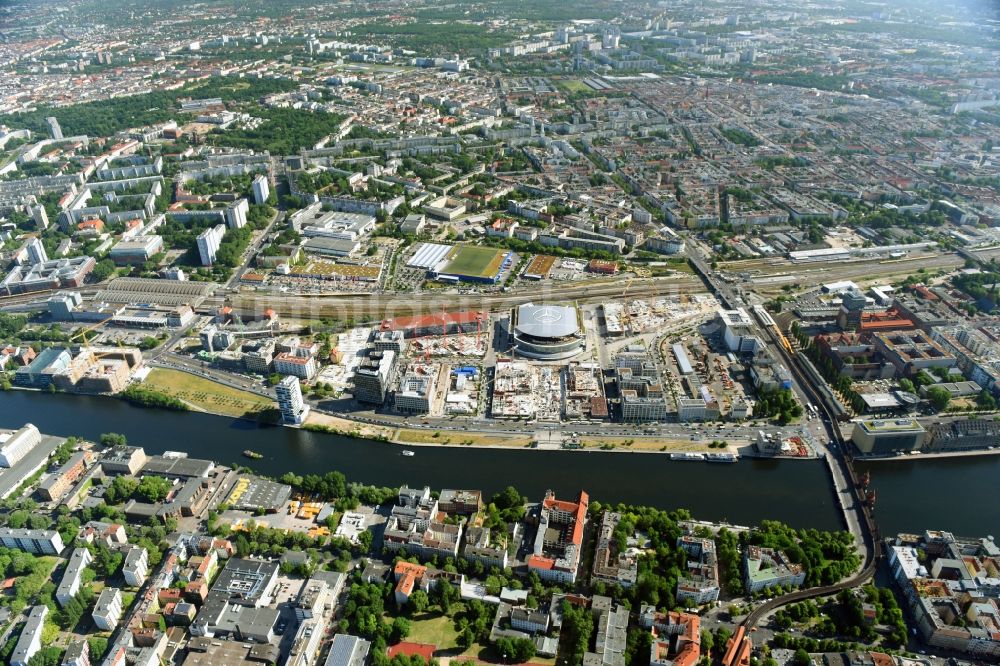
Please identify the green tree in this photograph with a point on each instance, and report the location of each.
(400, 629)
(121, 489)
(154, 488)
(938, 397)
(98, 646)
(113, 439)
(418, 601)
(104, 269)
(516, 650)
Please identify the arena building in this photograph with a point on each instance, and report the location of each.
(547, 332)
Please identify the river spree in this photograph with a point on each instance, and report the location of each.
(913, 495)
(796, 492)
(960, 495)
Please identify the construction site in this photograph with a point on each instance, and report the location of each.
(637, 316)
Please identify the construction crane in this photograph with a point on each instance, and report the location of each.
(626, 319)
(83, 333)
(86, 342)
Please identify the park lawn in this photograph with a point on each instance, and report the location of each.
(458, 437)
(205, 394)
(436, 629)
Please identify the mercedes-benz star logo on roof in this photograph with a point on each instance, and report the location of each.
(547, 316)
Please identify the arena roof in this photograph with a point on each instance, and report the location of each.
(547, 321)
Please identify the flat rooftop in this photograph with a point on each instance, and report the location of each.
(892, 425)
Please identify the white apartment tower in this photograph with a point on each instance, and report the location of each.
(36, 252)
(41, 217)
(54, 128)
(209, 242)
(293, 409)
(261, 189)
(236, 214)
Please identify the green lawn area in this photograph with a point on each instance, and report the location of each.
(205, 394)
(436, 629)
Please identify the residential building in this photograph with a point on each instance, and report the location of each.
(303, 367)
(951, 588)
(767, 567)
(559, 538)
(236, 214)
(54, 129)
(610, 565)
(347, 650)
(410, 577)
(108, 609)
(433, 539)
(289, 393)
(676, 637)
(39, 542)
(481, 545)
(57, 484)
(416, 393)
(36, 252)
(30, 641)
(77, 654)
(261, 189)
(700, 581)
(209, 242)
(40, 217)
(372, 376)
(69, 586)
(612, 628)
(460, 502)
(136, 566)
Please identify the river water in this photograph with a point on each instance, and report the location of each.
(795, 492)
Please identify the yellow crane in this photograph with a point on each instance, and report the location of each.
(82, 334)
(626, 319)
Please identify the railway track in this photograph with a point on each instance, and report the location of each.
(378, 306)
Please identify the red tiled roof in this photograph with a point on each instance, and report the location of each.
(539, 562)
(433, 320)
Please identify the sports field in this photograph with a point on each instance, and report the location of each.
(477, 262)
